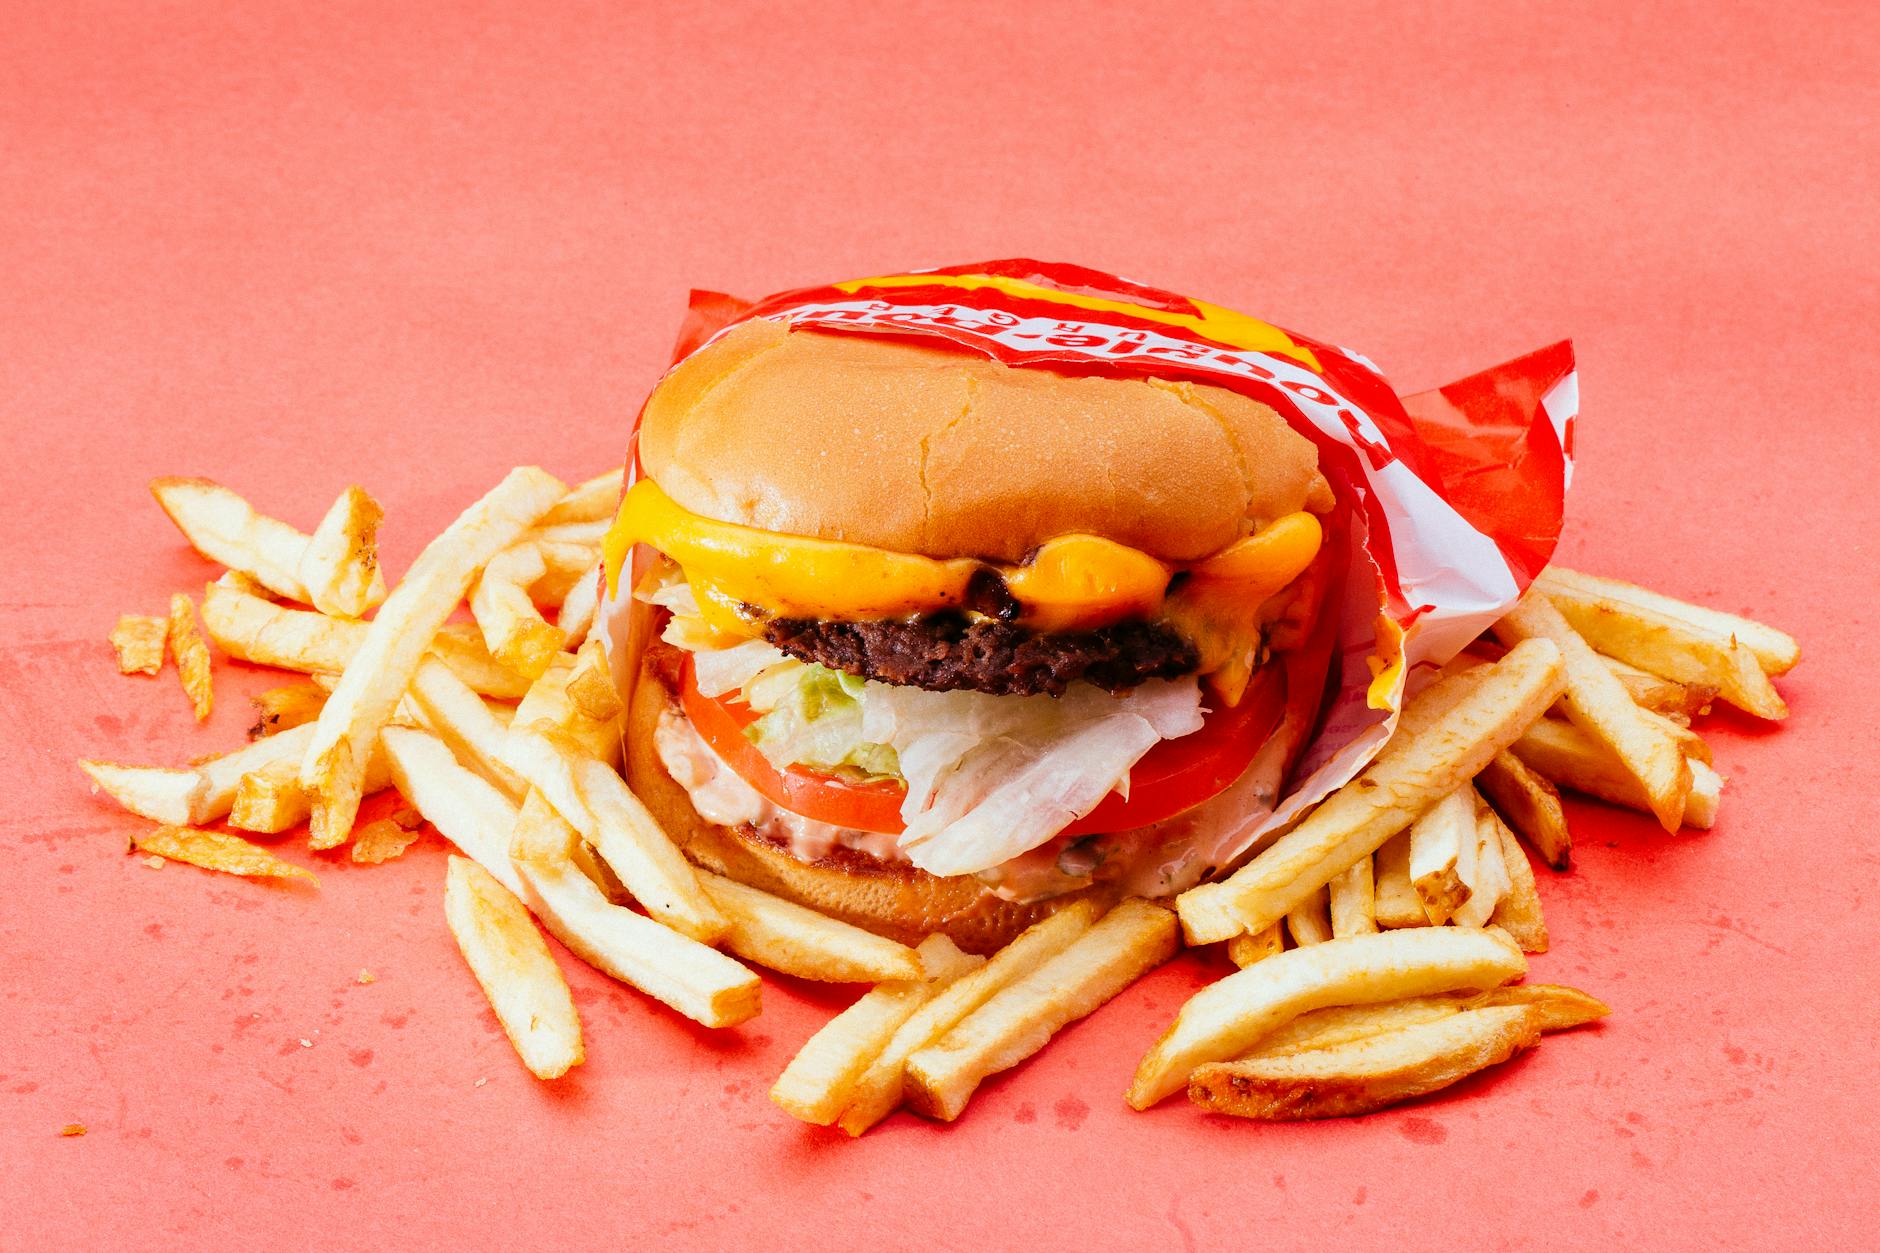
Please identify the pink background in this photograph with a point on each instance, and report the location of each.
(417, 244)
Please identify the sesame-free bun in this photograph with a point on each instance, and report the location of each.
(889, 898)
(945, 453)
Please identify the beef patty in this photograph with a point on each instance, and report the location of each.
(947, 652)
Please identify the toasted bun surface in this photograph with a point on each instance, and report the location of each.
(891, 899)
(948, 454)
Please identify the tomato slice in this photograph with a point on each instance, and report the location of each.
(1173, 776)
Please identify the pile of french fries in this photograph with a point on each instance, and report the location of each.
(1378, 940)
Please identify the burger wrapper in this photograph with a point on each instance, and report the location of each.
(1450, 501)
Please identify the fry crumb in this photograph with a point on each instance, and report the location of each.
(306, 1043)
(155, 862)
(72, 1129)
(408, 818)
(366, 976)
(480, 1082)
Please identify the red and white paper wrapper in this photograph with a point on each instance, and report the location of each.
(1452, 498)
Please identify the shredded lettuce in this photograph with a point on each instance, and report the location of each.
(814, 718)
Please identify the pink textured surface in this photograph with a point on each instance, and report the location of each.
(417, 244)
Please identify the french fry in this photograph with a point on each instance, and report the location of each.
(1776, 651)
(226, 529)
(1244, 950)
(576, 616)
(199, 794)
(286, 707)
(1442, 854)
(1519, 911)
(512, 963)
(1353, 901)
(563, 566)
(249, 628)
(542, 836)
(1396, 902)
(1659, 694)
(1598, 705)
(582, 534)
(1669, 647)
(817, 1084)
(1128, 942)
(1227, 1018)
(192, 656)
(340, 564)
(1369, 1074)
(455, 714)
(217, 850)
(1412, 773)
(591, 687)
(397, 639)
(591, 501)
(797, 941)
(1531, 806)
(269, 799)
(381, 840)
(1488, 881)
(695, 980)
(1559, 1008)
(880, 1089)
(515, 632)
(1309, 922)
(139, 642)
(599, 805)
(549, 700)
(1563, 753)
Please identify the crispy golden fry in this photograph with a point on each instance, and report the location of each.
(1659, 694)
(512, 963)
(1129, 941)
(880, 1089)
(381, 840)
(192, 655)
(550, 701)
(592, 501)
(1369, 1074)
(542, 836)
(1413, 772)
(340, 566)
(269, 798)
(451, 711)
(1598, 705)
(249, 628)
(1396, 901)
(1531, 806)
(576, 616)
(1559, 1008)
(1228, 1018)
(817, 1084)
(1244, 950)
(1776, 651)
(226, 529)
(1488, 878)
(1519, 913)
(699, 982)
(397, 639)
(563, 566)
(1442, 854)
(139, 642)
(591, 687)
(1347, 1024)
(1670, 647)
(1310, 921)
(597, 803)
(580, 534)
(1353, 901)
(797, 941)
(197, 795)
(1571, 758)
(286, 707)
(218, 850)
(515, 632)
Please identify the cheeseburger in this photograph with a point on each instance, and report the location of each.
(933, 643)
